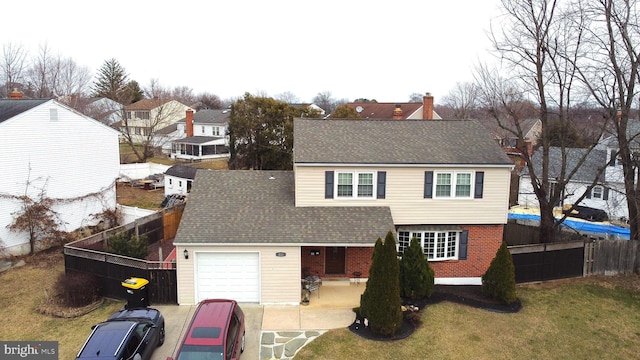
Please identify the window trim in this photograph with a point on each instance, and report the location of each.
(593, 192)
(454, 184)
(404, 242)
(355, 184)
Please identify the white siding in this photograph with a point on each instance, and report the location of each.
(73, 158)
(405, 196)
(279, 275)
(175, 185)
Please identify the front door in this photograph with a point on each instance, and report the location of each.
(334, 260)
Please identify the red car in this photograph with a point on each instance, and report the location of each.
(216, 332)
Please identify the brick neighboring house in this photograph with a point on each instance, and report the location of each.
(397, 111)
(252, 235)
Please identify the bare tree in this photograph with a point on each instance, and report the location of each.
(611, 74)
(12, 67)
(288, 97)
(326, 101)
(463, 99)
(42, 75)
(73, 82)
(538, 43)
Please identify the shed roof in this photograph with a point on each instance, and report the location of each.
(257, 207)
(11, 107)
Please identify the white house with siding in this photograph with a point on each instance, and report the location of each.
(252, 235)
(51, 149)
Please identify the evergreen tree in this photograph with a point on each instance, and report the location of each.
(499, 282)
(380, 303)
(112, 83)
(416, 275)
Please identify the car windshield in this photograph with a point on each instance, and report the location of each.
(193, 352)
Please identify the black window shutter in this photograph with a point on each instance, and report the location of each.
(428, 184)
(382, 184)
(479, 184)
(589, 194)
(612, 158)
(464, 241)
(605, 195)
(328, 184)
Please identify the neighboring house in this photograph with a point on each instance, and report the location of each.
(178, 179)
(54, 150)
(252, 235)
(531, 130)
(397, 111)
(607, 195)
(202, 135)
(146, 117)
(312, 106)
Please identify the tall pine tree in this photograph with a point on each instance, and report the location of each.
(380, 303)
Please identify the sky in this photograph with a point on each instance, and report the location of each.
(383, 50)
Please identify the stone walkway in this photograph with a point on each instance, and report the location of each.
(283, 345)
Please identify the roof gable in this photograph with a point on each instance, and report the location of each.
(359, 141)
(588, 171)
(10, 108)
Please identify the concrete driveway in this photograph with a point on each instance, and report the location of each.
(177, 318)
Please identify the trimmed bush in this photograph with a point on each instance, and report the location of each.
(131, 246)
(416, 275)
(78, 289)
(380, 303)
(499, 282)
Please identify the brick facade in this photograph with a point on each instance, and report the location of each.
(484, 241)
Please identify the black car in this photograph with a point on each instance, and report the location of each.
(130, 334)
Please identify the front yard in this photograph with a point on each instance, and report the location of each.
(584, 318)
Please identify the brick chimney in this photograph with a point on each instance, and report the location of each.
(427, 107)
(397, 112)
(189, 123)
(15, 95)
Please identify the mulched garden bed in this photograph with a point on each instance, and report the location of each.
(470, 295)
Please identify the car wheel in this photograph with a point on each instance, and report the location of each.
(161, 341)
(242, 343)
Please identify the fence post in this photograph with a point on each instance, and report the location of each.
(589, 248)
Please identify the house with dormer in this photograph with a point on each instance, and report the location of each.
(252, 235)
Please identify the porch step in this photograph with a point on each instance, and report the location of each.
(341, 281)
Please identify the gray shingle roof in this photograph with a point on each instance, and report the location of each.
(395, 142)
(10, 107)
(182, 171)
(197, 140)
(208, 116)
(596, 160)
(247, 207)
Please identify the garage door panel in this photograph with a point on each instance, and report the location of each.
(228, 275)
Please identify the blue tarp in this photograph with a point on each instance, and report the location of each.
(580, 225)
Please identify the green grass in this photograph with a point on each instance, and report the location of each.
(577, 319)
(584, 318)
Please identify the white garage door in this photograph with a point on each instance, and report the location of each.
(228, 276)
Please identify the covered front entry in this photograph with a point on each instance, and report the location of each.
(228, 275)
(335, 260)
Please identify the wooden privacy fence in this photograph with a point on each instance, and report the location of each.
(111, 270)
(611, 257)
(88, 256)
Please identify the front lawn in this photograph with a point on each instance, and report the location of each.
(584, 318)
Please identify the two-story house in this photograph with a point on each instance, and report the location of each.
(145, 119)
(55, 152)
(251, 235)
(601, 164)
(202, 135)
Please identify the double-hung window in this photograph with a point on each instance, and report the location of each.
(597, 192)
(355, 185)
(437, 245)
(453, 184)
